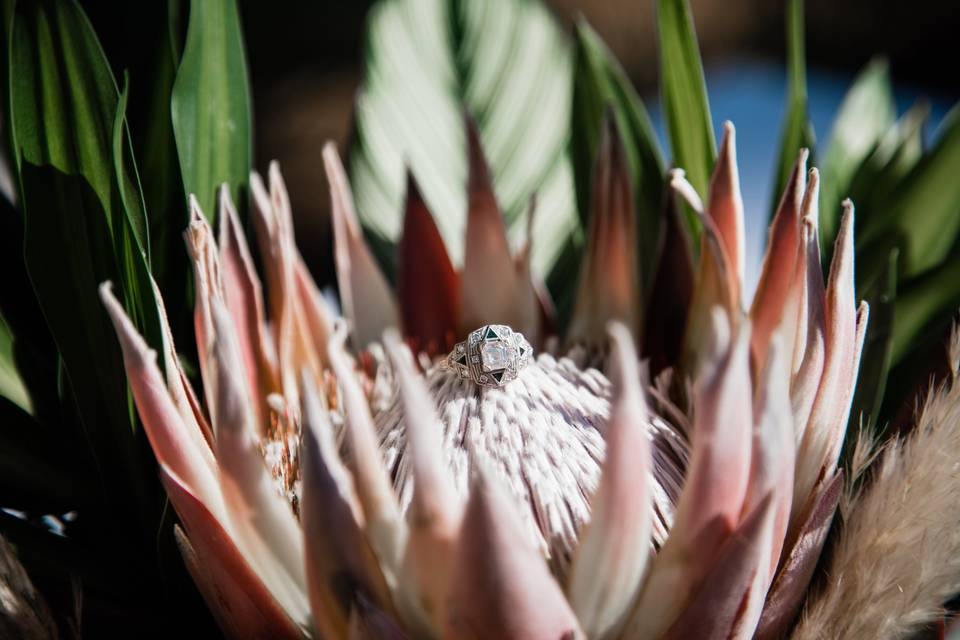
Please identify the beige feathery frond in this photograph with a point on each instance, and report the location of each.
(897, 559)
(867, 447)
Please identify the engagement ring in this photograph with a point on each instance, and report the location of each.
(491, 356)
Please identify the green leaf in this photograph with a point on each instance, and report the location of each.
(894, 156)
(599, 85)
(211, 105)
(84, 221)
(156, 153)
(683, 93)
(926, 303)
(34, 352)
(11, 385)
(925, 206)
(866, 114)
(132, 252)
(924, 311)
(69, 252)
(797, 132)
(877, 349)
(507, 64)
(566, 270)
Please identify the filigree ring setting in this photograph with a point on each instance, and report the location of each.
(491, 356)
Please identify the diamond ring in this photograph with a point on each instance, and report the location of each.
(491, 356)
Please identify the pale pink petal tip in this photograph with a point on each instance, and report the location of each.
(238, 599)
(725, 205)
(367, 299)
(611, 561)
(500, 586)
(434, 512)
(337, 551)
(174, 443)
(487, 255)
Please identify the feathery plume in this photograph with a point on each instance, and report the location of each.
(876, 590)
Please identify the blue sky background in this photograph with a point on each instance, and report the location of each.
(751, 93)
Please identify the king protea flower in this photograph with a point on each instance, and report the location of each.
(332, 483)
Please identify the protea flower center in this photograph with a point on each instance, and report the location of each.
(544, 436)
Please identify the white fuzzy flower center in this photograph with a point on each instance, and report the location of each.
(543, 433)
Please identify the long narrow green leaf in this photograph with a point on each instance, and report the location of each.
(84, 221)
(133, 254)
(877, 349)
(6, 42)
(156, 153)
(506, 63)
(924, 311)
(925, 207)
(683, 93)
(866, 114)
(895, 155)
(599, 84)
(211, 105)
(11, 385)
(797, 132)
(34, 352)
(926, 302)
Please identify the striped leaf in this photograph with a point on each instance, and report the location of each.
(506, 64)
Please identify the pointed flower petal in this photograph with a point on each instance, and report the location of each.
(261, 519)
(779, 262)
(788, 589)
(318, 318)
(244, 299)
(177, 383)
(434, 513)
(428, 286)
(490, 289)
(609, 567)
(384, 523)
(341, 567)
(716, 284)
(174, 442)
(712, 500)
(805, 300)
(242, 605)
(500, 586)
(816, 455)
(725, 205)
(273, 219)
(809, 300)
(609, 278)
(364, 292)
(774, 450)
(728, 603)
(671, 293)
(206, 285)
